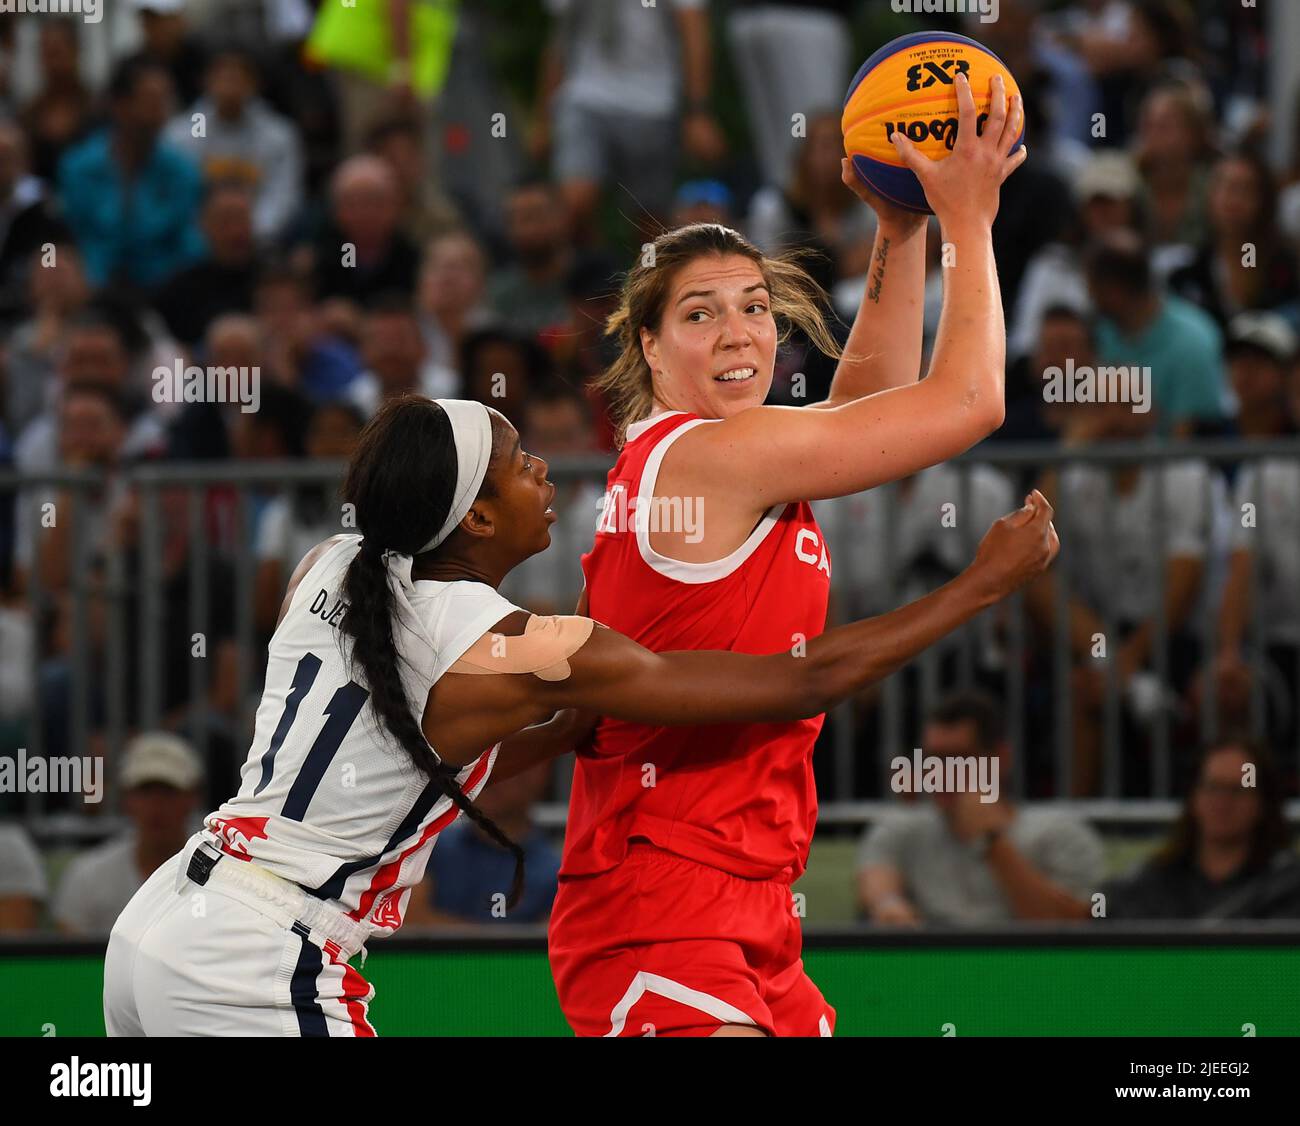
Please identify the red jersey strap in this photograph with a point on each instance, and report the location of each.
(639, 473)
(638, 430)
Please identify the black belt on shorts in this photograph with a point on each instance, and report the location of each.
(202, 861)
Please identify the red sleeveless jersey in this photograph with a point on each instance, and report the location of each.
(740, 797)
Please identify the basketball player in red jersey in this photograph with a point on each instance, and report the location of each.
(674, 913)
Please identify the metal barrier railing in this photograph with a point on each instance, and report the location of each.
(188, 576)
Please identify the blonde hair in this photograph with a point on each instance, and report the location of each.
(797, 302)
(1195, 104)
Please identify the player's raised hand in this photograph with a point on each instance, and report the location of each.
(1018, 547)
(890, 215)
(964, 187)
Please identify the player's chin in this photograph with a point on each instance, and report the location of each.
(732, 398)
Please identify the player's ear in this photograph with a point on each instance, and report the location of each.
(649, 347)
(479, 521)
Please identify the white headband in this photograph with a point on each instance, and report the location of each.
(471, 432)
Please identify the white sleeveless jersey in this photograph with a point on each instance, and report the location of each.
(328, 799)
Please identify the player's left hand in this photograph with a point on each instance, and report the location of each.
(1018, 547)
(889, 215)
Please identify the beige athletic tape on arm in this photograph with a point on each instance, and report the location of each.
(543, 649)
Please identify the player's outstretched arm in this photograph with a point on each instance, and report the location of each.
(620, 679)
(612, 675)
(565, 731)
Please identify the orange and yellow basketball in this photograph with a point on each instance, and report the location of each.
(909, 85)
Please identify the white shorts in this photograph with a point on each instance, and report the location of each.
(246, 954)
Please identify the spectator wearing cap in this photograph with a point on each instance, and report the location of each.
(243, 140)
(703, 201)
(1106, 195)
(23, 886)
(1243, 264)
(161, 778)
(1259, 352)
(452, 295)
(363, 253)
(1229, 855)
(963, 861)
(1259, 618)
(1109, 194)
(131, 199)
(1139, 326)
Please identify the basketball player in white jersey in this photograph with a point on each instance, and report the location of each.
(394, 643)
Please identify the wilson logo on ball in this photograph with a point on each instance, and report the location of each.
(944, 130)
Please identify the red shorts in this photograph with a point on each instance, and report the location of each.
(665, 946)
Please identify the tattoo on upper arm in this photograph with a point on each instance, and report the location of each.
(878, 271)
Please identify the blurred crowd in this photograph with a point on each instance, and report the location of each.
(948, 859)
(269, 186)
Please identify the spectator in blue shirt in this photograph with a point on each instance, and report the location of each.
(469, 875)
(131, 201)
(1138, 326)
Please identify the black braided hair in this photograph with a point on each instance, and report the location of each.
(400, 481)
